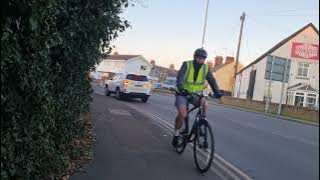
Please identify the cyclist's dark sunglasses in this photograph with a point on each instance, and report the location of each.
(201, 57)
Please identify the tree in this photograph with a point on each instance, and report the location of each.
(48, 48)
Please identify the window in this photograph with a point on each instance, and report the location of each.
(114, 77)
(136, 77)
(143, 67)
(265, 98)
(299, 101)
(170, 82)
(117, 77)
(300, 94)
(312, 95)
(303, 70)
(120, 76)
(311, 100)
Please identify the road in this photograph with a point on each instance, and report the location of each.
(131, 146)
(262, 147)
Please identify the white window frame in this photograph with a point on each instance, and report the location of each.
(313, 96)
(302, 66)
(300, 95)
(292, 95)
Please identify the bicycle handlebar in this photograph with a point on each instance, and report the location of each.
(211, 96)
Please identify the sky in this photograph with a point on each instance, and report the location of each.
(169, 31)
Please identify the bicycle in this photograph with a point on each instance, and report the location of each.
(200, 134)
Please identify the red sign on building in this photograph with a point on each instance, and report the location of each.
(305, 51)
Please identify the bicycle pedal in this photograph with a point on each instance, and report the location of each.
(184, 131)
(205, 145)
(185, 136)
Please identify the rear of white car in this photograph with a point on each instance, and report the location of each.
(131, 86)
(136, 86)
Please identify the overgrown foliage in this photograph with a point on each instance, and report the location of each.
(47, 49)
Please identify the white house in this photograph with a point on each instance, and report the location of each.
(135, 64)
(302, 86)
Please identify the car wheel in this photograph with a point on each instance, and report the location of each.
(145, 99)
(118, 94)
(107, 92)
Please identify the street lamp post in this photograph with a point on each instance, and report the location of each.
(205, 24)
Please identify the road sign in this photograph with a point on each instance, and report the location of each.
(277, 69)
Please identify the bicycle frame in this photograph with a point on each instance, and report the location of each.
(195, 124)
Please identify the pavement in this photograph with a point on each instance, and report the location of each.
(131, 146)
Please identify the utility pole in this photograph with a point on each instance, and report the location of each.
(242, 18)
(205, 24)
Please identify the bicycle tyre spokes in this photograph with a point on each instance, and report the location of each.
(203, 147)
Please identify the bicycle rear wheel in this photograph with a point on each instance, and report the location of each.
(203, 147)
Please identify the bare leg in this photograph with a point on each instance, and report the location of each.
(182, 114)
(204, 105)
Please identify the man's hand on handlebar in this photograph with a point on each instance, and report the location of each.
(184, 92)
(217, 95)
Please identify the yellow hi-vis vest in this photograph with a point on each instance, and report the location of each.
(188, 79)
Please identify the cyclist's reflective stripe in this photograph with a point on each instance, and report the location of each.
(187, 74)
(205, 72)
(194, 83)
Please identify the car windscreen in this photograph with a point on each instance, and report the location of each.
(170, 82)
(134, 77)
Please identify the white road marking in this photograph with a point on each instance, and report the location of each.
(169, 127)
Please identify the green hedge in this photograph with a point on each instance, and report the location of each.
(47, 49)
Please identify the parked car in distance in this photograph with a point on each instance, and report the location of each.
(169, 84)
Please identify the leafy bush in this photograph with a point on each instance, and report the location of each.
(47, 49)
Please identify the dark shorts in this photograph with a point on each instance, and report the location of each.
(183, 101)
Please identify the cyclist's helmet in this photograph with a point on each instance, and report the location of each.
(200, 52)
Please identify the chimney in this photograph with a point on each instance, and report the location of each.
(218, 61)
(115, 53)
(171, 67)
(153, 62)
(229, 59)
(210, 64)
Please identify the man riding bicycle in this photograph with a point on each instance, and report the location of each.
(191, 79)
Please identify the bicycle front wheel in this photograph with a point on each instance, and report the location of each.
(203, 147)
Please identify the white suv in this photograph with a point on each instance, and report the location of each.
(129, 85)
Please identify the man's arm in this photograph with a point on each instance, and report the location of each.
(212, 82)
(180, 76)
